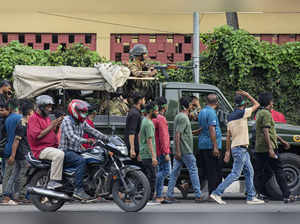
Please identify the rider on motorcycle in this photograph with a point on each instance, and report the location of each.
(72, 130)
(42, 139)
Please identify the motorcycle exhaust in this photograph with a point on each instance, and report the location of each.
(48, 193)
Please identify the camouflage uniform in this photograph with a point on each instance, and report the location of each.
(114, 107)
(194, 114)
(140, 69)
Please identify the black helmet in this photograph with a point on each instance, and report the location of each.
(138, 50)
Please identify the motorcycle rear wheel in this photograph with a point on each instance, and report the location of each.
(137, 199)
(43, 203)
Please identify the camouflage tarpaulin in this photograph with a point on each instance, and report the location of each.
(31, 81)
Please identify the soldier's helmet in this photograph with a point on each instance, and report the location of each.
(138, 50)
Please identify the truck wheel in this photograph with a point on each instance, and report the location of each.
(291, 166)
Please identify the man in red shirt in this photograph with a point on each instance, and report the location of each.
(42, 139)
(92, 112)
(162, 141)
(278, 117)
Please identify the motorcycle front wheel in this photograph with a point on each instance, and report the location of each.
(44, 203)
(138, 195)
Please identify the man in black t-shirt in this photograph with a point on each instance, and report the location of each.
(5, 93)
(19, 149)
(133, 125)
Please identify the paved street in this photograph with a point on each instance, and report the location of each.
(185, 211)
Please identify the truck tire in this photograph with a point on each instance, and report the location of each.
(291, 166)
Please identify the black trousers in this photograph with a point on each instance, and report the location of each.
(212, 168)
(264, 168)
(150, 172)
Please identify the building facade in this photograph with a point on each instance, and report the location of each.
(167, 36)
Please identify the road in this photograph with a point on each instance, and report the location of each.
(236, 211)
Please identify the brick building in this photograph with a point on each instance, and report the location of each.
(113, 27)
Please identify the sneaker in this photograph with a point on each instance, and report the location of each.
(255, 201)
(217, 199)
(81, 195)
(8, 201)
(289, 199)
(169, 201)
(202, 199)
(52, 185)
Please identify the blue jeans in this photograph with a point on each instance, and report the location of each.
(76, 161)
(241, 163)
(164, 168)
(189, 161)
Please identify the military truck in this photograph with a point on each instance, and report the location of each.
(173, 91)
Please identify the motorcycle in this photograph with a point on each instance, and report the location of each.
(106, 174)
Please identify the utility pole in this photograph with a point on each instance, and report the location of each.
(196, 47)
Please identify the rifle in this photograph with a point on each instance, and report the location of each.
(163, 68)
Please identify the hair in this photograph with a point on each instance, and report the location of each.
(185, 102)
(212, 98)
(149, 107)
(4, 83)
(265, 99)
(161, 101)
(26, 106)
(195, 98)
(136, 97)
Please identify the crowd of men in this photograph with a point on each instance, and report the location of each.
(148, 140)
(27, 127)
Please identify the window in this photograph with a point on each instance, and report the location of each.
(54, 38)
(4, 38)
(118, 56)
(170, 58)
(46, 46)
(170, 39)
(88, 38)
(71, 38)
(30, 45)
(38, 38)
(126, 48)
(135, 39)
(153, 57)
(63, 46)
(118, 39)
(187, 39)
(178, 48)
(21, 38)
(152, 39)
(187, 57)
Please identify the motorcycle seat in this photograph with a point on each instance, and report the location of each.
(37, 162)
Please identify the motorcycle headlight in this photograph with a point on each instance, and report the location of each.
(123, 150)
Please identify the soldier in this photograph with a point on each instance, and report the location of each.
(196, 108)
(138, 66)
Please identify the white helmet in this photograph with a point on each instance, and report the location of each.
(44, 100)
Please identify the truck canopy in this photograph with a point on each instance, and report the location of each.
(31, 81)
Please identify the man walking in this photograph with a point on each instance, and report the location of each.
(210, 143)
(267, 159)
(184, 152)
(238, 136)
(147, 146)
(162, 140)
